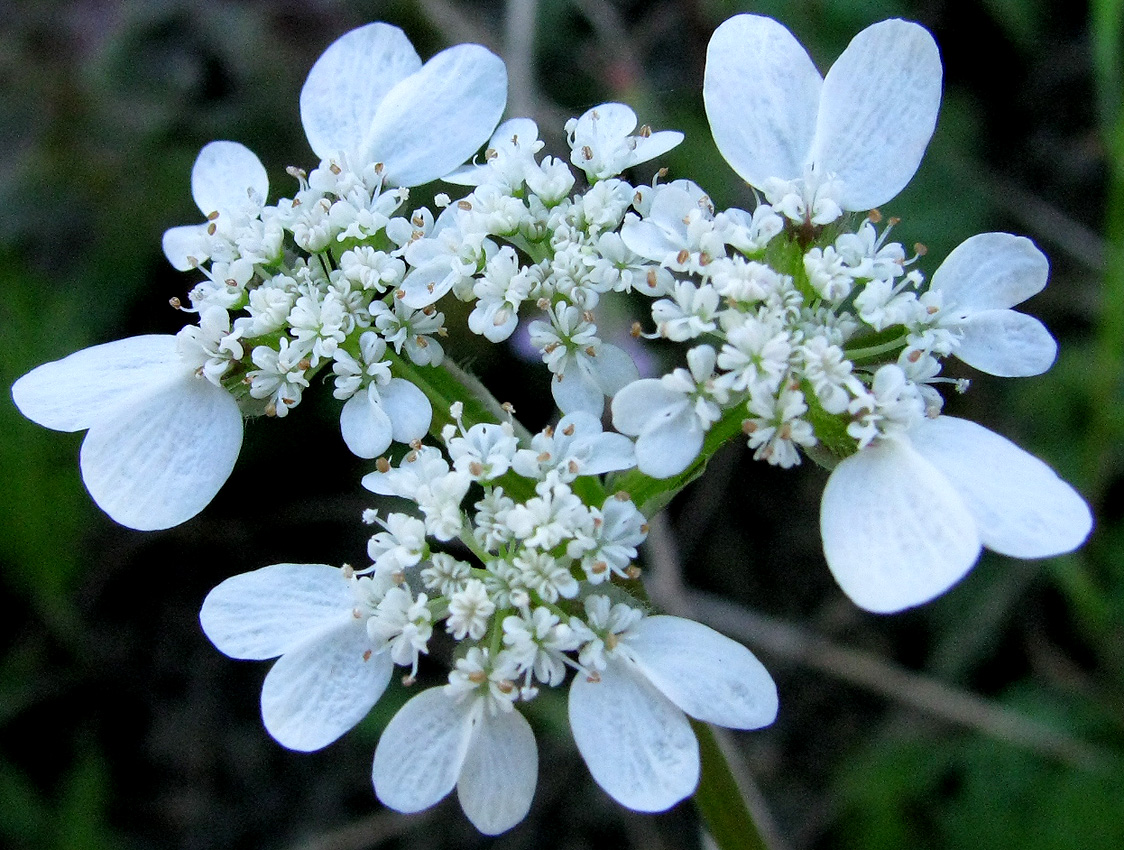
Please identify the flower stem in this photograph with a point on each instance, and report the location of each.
(719, 800)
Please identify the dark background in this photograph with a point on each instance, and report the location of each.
(989, 718)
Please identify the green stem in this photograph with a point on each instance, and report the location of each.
(720, 801)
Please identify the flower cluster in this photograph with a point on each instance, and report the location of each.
(520, 570)
(801, 325)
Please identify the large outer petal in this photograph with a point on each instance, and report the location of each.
(497, 780)
(761, 92)
(320, 689)
(72, 393)
(877, 112)
(638, 746)
(1022, 508)
(436, 119)
(1006, 343)
(408, 408)
(223, 176)
(348, 82)
(709, 676)
(365, 427)
(895, 532)
(421, 751)
(991, 271)
(159, 458)
(183, 244)
(267, 612)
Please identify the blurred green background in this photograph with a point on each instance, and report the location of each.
(993, 717)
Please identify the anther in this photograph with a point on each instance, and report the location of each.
(382, 465)
(587, 152)
(569, 430)
(749, 426)
(464, 205)
(645, 131)
(212, 215)
(920, 249)
(636, 331)
(621, 496)
(875, 216)
(478, 677)
(367, 655)
(633, 572)
(683, 256)
(335, 169)
(176, 303)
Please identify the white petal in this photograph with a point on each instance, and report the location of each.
(574, 391)
(72, 393)
(709, 676)
(159, 460)
(267, 612)
(612, 368)
(183, 244)
(895, 532)
(642, 401)
(322, 688)
(608, 453)
(497, 781)
(669, 445)
(1006, 343)
(224, 175)
(653, 145)
(1021, 506)
(648, 240)
(761, 93)
(638, 746)
(365, 426)
(427, 282)
(607, 121)
(421, 751)
(877, 112)
(408, 408)
(436, 119)
(348, 82)
(991, 271)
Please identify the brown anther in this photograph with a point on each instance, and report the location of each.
(429, 310)
(662, 172)
(176, 303)
(895, 221)
(442, 331)
(587, 152)
(749, 426)
(411, 456)
(875, 216)
(296, 202)
(230, 282)
(398, 577)
(422, 342)
(597, 523)
(382, 465)
(588, 316)
(271, 409)
(304, 365)
(683, 256)
(636, 331)
(492, 153)
(408, 680)
(478, 677)
(476, 468)
(379, 168)
(550, 347)
(652, 278)
(464, 205)
(400, 294)
(416, 445)
(289, 402)
(543, 458)
(637, 198)
(569, 430)
(366, 655)
(645, 131)
(430, 287)
(633, 572)
(621, 496)
(549, 430)
(785, 432)
(573, 467)
(211, 229)
(914, 355)
(356, 613)
(591, 351)
(213, 215)
(645, 528)
(417, 221)
(335, 169)
(920, 249)
(611, 641)
(593, 676)
(599, 568)
(932, 309)
(508, 408)
(505, 686)
(543, 303)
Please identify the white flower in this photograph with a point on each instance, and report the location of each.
(330, 672)
(230, 186)
(469, 610)
(601, 144)
(162, 438)
(978, 283)
(577, 445)
(904, 518)
(373, 418)
(629, 720)
(670, 416)
(479, 744)
(370, 98)
(865, 125)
